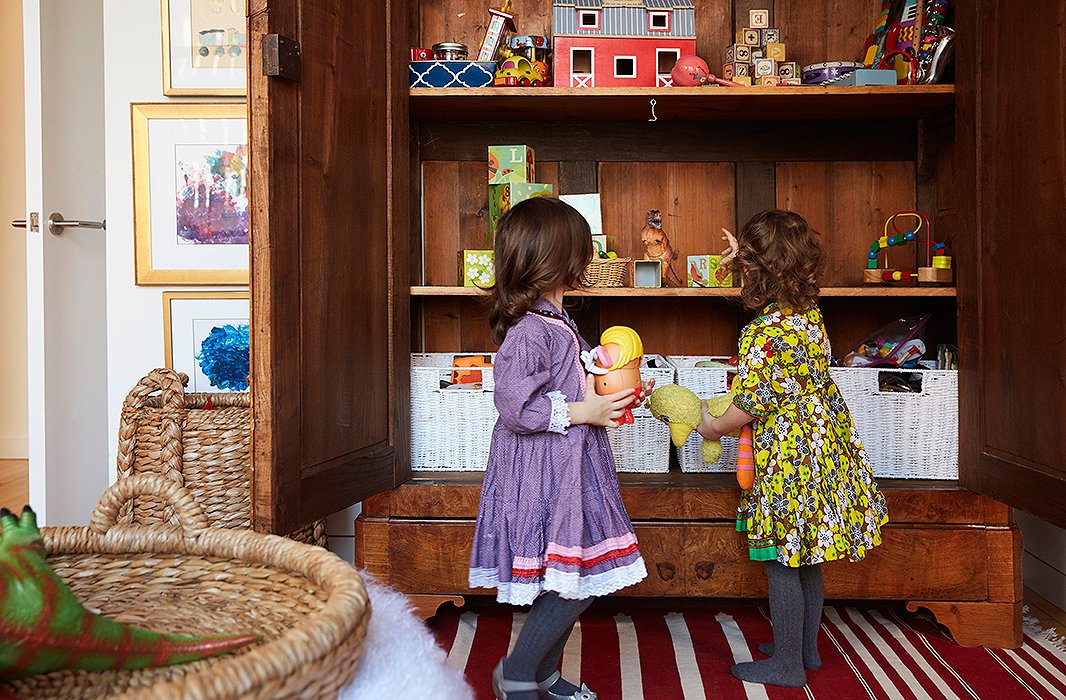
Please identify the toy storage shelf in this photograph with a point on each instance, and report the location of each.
(436, 291)
(693, 104)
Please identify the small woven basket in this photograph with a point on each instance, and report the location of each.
(310, 607)
(165, 431)
(606, 272)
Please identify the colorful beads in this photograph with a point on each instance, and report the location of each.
(911, 235)
(872, 255)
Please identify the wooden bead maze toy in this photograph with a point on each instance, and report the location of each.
(938, 262)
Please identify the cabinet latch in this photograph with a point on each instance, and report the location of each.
(281, 57)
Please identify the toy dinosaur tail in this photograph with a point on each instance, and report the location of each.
(44, 628)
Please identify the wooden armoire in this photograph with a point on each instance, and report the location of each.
(363, 190)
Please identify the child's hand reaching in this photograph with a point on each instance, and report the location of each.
(645, 390)
(731, 252)
(600, 410)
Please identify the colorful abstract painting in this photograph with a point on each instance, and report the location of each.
(212, 194)
(223, 355)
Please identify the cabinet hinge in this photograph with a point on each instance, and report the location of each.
(281, 57)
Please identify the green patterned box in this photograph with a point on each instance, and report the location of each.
(707, 271)
(476, 268)
(511, 164)
(503, 197)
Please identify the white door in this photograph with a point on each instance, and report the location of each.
(65, 274)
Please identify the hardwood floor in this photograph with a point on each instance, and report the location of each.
(14, 484)
(1046, 613)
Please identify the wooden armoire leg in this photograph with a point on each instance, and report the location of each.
(994, 625)
(426, 605)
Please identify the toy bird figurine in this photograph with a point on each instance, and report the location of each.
(657, 247)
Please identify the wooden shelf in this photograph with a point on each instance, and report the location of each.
(784, 103)
(696, 292)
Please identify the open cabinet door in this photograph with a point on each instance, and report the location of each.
(329, 243)
(1012, 267)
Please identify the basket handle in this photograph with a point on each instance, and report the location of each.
(191, 517)
(172, 386)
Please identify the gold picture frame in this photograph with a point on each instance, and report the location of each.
(226, 47)
(164, 255)
(179, 325)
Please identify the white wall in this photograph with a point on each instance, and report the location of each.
(13, 423)
(134, 73)
(1043, 558)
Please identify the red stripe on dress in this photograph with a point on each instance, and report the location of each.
(576, 561)
(658, 663)
(713, 656)
(601, 667)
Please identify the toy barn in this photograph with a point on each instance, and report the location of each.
(620, 43)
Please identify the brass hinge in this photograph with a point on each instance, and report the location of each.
(281, 57)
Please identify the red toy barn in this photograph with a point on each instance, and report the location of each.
(620, 43)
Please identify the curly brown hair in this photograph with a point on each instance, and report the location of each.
(541, 245)
(780, 259)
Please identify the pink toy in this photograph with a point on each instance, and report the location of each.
(692, 71)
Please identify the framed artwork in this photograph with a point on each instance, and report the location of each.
(190, 193)
(205, 47)
(206, 336)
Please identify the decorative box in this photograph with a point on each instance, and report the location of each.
(707, 271)
(867, 76)
(451, 74)
(599, 245)
(476, 268)
(647, 274)
(511, 164)
(503, 197)
(818, 73)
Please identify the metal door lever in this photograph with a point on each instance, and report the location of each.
(18, 223)
(56, 223)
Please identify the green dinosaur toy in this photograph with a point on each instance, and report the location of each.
(679, 408)
(44, 628)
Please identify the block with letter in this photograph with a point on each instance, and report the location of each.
(764, 67)
(511, 164)
(759, 19)
(776, 52)
(738, 53)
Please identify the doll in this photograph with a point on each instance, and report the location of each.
(616, 364)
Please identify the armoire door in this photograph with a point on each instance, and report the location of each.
(1012, 278)
(330, 311)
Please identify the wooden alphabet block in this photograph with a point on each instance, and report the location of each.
(776, 52)
(738, 53)
(790, 81)
(769, 80)
(739, 68)
(511, 164)
(771, 35)
(759, 19)
(742, 79)
(765, 67)
(788, 70)
(757, 53)
(752, 37)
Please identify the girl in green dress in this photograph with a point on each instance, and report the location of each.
(814, 498)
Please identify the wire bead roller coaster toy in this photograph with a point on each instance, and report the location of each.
(938, 262)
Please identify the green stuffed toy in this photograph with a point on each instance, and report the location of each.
(44, 628)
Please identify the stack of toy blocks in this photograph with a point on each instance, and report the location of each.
(758, 57)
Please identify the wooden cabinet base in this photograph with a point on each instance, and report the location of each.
(426, 606)
(947, 550)
(996, 625)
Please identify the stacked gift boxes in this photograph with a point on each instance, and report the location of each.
(759, 57)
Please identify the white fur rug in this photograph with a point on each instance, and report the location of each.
(401, 660)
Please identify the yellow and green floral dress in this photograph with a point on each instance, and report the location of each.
(814, 498)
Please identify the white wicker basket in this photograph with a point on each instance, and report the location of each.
(907, 435)
(665, 373)
(703, 381)
(642, 447)
(450, 428)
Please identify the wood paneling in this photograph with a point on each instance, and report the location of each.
(465, 20)
(685, 327)
(815, 31)
(848, 203)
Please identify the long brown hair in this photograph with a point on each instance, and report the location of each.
(780, 259)
(541, 244)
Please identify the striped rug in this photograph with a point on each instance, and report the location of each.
(656, 654)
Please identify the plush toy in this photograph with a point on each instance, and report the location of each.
(679, 408)
(43, 628)
(616, 364)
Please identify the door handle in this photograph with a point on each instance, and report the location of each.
(56, 223)
(18, 223)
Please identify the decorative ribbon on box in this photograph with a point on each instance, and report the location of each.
(819, 73)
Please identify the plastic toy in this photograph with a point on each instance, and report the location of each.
(692, 71)
(938, 268)
(517, 71)
(616, 364)
(657, 247)
(499, 20)
(898, 344)
(43, 627)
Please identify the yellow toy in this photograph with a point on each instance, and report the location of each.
(616, 364)
(680, 409)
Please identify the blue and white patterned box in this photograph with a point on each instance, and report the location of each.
(447, 74)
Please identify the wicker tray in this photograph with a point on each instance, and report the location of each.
(610, 272)
(310, 607)
(165, 431)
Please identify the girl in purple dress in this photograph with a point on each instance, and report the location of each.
(551, 527)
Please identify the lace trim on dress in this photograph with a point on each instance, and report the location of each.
(560, 418)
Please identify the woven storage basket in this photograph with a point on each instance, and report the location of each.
(907, 435)
(311, 608)
(703, 381)
(606, 272)
(644, 446)
(165, 431)
(690, 456)
(450, 428)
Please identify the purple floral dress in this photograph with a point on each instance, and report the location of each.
(551, 515)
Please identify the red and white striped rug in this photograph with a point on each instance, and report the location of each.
(656, 654)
